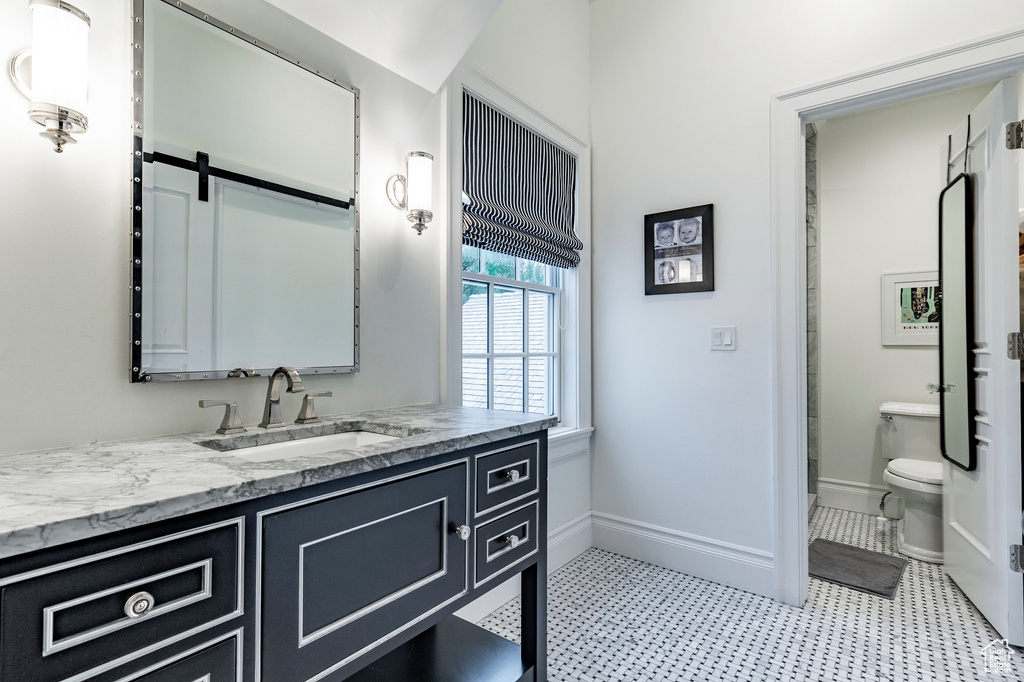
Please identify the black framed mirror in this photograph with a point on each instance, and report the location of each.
(956, 328)
(245, 230)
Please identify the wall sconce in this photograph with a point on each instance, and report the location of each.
(412, 192)
(53, 75)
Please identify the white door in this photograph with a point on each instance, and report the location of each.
(178, 240)
(982, 508)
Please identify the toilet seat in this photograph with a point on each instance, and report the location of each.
(917, 470)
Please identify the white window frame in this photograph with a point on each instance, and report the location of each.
(573, 392)
(554, 390)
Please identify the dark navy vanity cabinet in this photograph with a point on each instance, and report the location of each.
(355, 578)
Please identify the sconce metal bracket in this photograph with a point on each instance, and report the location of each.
(21, 73)
(397, 200)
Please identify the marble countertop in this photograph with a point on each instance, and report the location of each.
(57, 496)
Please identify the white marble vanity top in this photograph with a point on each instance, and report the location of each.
(57, 496)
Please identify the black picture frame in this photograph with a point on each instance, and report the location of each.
(679, 250)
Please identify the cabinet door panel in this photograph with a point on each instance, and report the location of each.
(344, 573)
(360, 555)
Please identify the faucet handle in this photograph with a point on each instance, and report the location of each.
(308, 415)
(230, 423)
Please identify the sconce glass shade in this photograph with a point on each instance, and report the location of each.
(419, 175)
(414, 191)
(60, 67)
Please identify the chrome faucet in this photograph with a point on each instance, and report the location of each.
(272, 410)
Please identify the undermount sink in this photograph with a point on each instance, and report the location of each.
(314, 445)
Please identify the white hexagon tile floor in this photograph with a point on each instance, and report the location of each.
(614, 618)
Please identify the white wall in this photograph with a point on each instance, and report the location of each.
(881, 172)
(680, 116)
(64, 251)
(539, 50)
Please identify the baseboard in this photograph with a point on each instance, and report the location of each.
(565, 543)
(734, 565)
(850, 495)
(569, 540)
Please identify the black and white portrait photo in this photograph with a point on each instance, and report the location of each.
(685, 232)
(679, 248)
(664, 235)
(666, 271)
(688, 232)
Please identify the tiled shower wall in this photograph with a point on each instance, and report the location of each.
(812, 308)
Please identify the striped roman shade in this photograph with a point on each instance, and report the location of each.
(519, 189)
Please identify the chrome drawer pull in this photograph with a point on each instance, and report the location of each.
(512, 475)
(512, 541)
(463, 532)
(139, 605)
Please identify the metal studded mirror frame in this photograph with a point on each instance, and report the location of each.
(137, 373)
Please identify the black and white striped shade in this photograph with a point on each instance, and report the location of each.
(519, 189)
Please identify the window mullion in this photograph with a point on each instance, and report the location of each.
(490, 345)
(555, 365)
(526, 346)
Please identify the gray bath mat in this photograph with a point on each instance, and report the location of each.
(860, 569)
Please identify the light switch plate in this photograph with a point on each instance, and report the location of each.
(723, 338)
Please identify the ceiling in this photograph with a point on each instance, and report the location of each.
(421, 40)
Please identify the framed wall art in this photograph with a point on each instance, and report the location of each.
(679, 251)
(911, 307)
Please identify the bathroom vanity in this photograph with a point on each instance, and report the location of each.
(195, 557)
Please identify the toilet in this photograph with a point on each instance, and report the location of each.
(910, 441)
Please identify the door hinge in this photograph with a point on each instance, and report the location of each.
(1016, 556)
(1015, 135)
(1014, 346)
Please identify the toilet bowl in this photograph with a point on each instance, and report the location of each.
(919, 485)
(910, 441)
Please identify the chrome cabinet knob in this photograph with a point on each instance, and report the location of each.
(512, 475)
(463, 532)
(512, 541)
(139, 605)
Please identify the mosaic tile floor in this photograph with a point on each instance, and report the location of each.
(614, 618)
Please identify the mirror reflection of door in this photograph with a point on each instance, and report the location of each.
(248, 238)
(956, 332)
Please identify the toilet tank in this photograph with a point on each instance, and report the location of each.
(910, 430)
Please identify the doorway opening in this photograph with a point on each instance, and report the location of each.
(988, 59)
(874, 441)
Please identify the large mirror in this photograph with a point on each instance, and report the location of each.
(956, 331)
(245, 223)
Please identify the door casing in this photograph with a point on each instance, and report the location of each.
(987, 59)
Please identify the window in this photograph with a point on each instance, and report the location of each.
(519, 337)
(510, 358)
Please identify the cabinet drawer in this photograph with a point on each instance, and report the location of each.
(505, 476)
(349, 571)
(505, 541)
(218, 662)
(70, 620)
